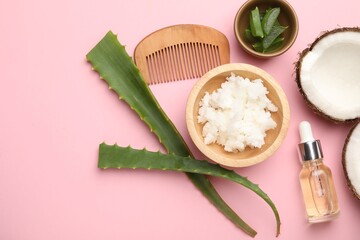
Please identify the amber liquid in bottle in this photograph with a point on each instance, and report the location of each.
(316, 179)
(318, 191)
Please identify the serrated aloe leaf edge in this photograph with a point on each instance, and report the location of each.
(114, 156)
(110, 59)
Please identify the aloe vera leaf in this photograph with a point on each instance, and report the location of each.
(276, 44)
(110, 59)
(249, 36)
(274, 33)
(113, 156)
(269, 19)
(258, 47)
(255, 23)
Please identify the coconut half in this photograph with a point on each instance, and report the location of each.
(351, 160)
(328, 74)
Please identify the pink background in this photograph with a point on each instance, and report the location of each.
(55, 111)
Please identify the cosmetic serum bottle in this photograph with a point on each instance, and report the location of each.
(316, 179)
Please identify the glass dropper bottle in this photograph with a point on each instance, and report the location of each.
(316, 179)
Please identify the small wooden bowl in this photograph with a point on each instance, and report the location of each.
(211, 81)
(287, 17)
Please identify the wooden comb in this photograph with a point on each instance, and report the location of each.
(179, 52)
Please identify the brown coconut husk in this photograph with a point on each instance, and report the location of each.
(301, 55)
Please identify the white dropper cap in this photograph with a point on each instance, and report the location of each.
(309, 148)
(306, 134)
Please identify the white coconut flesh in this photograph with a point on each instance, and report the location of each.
(352, 160)
(330, 75)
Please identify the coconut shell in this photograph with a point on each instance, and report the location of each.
(302, 54)
(351, 187)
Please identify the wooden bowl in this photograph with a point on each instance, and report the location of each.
(287, 17)
(211, 81)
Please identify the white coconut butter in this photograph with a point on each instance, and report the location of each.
(237, 115)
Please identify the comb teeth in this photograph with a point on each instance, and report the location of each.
(182, 61)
